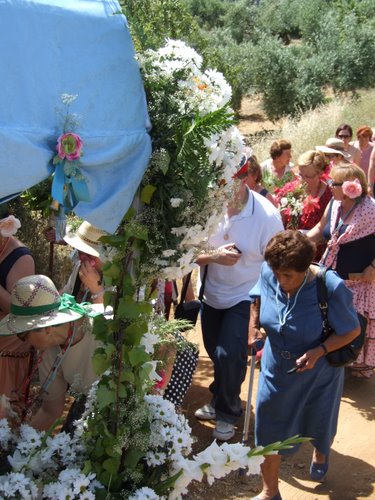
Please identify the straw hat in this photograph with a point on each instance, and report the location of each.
(85, 239)
(334, 146)
(35, 303)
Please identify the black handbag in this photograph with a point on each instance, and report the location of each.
(190, 310)
(349, 352)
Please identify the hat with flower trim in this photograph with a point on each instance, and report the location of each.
(36, 303)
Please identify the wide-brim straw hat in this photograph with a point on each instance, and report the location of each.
(334, 146)
(36, 303)
(85, 239)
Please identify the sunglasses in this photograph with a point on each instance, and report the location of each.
(343, 136)
(332, 183)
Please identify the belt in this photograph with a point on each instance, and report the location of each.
(289, 355)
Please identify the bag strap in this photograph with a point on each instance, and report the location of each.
(186, 284)
(322, 295)
(185, 287)
(203, 284)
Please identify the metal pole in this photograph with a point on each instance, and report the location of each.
(246, 425)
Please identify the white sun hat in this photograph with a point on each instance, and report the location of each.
(36, 303)
(334, 146)
(86, 239)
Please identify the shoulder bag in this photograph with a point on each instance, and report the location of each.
(190, 310)
(349, 352)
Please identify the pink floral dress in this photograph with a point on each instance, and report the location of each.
(361, 225)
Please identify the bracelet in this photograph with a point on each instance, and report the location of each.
(102, 292)
(324, 347)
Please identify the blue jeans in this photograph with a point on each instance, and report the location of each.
(225, 333)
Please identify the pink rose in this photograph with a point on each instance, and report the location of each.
(69, 146)
(352, 189)
(9, 226)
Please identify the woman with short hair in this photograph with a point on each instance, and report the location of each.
(364, 144)
(299, 392)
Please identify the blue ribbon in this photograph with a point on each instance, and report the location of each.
(69, 186)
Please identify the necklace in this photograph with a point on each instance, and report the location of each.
(289, 307)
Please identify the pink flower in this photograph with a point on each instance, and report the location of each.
(352, 189)
(9, 226)
(69, 146)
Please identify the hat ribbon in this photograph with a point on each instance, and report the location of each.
(66, 302)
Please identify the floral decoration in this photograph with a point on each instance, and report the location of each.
(352, 189)
(9, 226)
(196, 150)
(69, 184)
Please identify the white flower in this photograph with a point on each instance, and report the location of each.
(144, 494)
(191, 471)
(168, 253)
(150, 368)
(5, 433)
(215, 459)
(283, 202)
(68, 98)
(253, 464)
(17, 460)
(148, 341)
(176, 202)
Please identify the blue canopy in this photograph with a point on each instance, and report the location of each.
(76, 47)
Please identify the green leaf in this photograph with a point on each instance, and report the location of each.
(100, 330)
(134, 332)
(127, 308)
(114, 240)
(111, 270)
(100, 361)
(132, 457)
(138, 356)
(127, 376)
(146, 193)
(137, 231)
(112, 464)
(105, 396)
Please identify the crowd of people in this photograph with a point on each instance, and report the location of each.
(283, 223)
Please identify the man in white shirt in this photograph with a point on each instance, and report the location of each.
(233, 269)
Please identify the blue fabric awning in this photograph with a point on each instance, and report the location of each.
(77, 47)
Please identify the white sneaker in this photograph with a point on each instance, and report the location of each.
(207, 412)
(223, 431)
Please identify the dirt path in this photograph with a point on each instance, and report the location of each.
(352, 466)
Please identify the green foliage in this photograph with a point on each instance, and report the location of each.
(152, 21)
(334, 39)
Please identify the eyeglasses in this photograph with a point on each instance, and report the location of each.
(343, 136)
(308, 177)
(332, 183)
